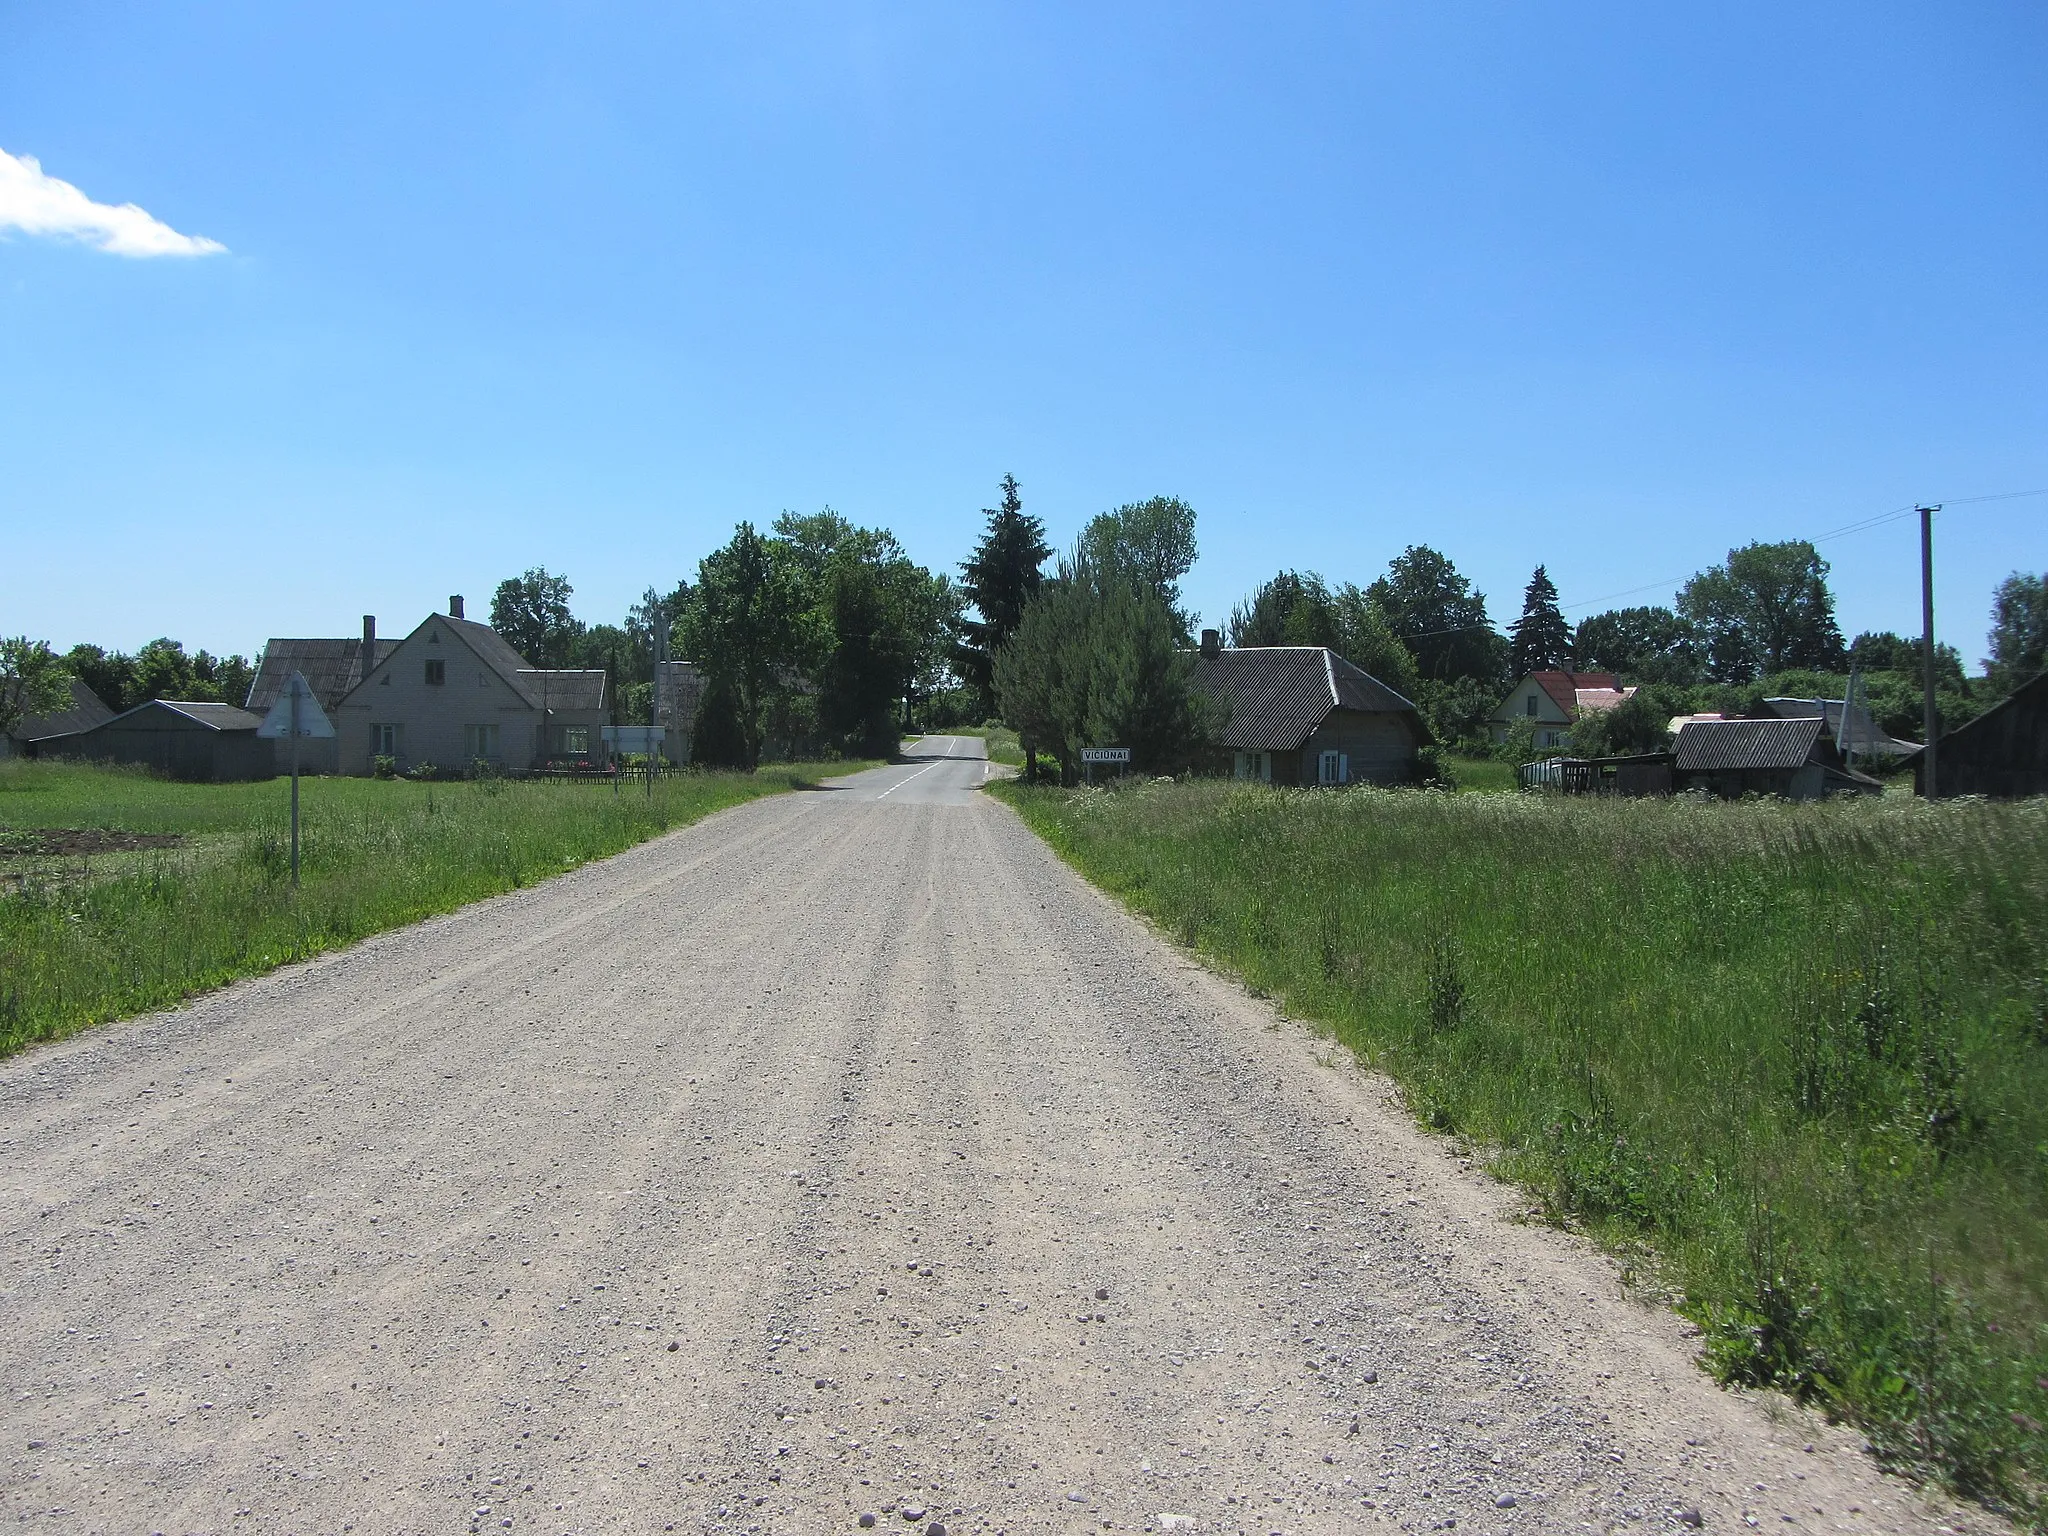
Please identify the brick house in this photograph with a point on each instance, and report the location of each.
(453, 693)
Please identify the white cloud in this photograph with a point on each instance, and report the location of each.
(38, 204)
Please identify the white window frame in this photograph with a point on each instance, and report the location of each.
(1330, 766)
(480, 741)
(387, 740)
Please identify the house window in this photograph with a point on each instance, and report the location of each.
(385, 740)
(437, 672)
(1331, 768)
(1257, 766)
(1530, 702)
(480, 741)
(576, 740)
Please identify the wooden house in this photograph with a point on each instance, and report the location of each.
(1553, 702)
(1301, 714)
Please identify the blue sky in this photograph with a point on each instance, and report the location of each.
(1608, 287)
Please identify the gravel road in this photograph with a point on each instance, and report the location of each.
(842, 1156)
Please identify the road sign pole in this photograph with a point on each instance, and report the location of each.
(294, 685)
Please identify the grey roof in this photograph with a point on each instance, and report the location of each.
(1279, 694)
(85, 711)
(581, 691)
(1865, 735)
(497, 654)
(202, 712)
(329, 666)
(1706, 745)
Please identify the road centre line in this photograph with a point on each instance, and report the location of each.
(885, 794)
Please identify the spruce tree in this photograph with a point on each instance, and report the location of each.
(1001, 577)
(1542, 640)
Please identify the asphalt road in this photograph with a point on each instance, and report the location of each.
(842, 1155)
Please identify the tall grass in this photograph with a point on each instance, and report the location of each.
(82, 942)
(1790, 1061)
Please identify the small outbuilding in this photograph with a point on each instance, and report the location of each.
(2002, 753)
(1302, 714)
(82, 713)
(180, 739)
(1794, 758)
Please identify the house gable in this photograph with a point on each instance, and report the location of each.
(449, 692)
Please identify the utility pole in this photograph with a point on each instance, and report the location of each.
(1928, 724)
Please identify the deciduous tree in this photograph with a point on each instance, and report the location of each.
(2019, 630)
(1767, 609)
(32, 681)
(1440, 618)
(532, 613)
(1642, 645)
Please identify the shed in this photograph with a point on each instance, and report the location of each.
(1795, 758)
(85, 711)
(2002, 753)
(1301, 714)
(180, 739)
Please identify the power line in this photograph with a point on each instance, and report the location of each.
(1863, 525)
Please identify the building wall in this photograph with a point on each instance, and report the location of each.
(1381, 748)
(2004, 754)
(1547, 716)
(176, 748)
(432, 716)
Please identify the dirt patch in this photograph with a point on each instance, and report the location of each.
(67, 842)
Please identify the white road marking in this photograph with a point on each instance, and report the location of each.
(885, 794)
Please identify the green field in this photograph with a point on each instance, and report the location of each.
(1790, 1062)
(1481, 775)
(91, 929)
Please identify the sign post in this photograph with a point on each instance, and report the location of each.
(1090, 756)
(296, 715)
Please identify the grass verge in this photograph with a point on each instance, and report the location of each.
(1003, 745)
(1790, 1062)
(88, 938)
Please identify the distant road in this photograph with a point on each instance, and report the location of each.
(841, 1154)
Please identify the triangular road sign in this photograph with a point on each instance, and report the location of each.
(313, 720)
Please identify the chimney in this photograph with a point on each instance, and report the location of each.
(455, 606)
(368, 661)
(1212, 644)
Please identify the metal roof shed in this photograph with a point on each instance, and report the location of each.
(181, 739)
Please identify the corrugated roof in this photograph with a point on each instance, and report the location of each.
(565, 689)
(329, 666)
(1707, 745)
(1279, 694)
(85, 711)
(214, 717)
(1598, 699)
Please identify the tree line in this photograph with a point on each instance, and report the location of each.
(819, 635)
